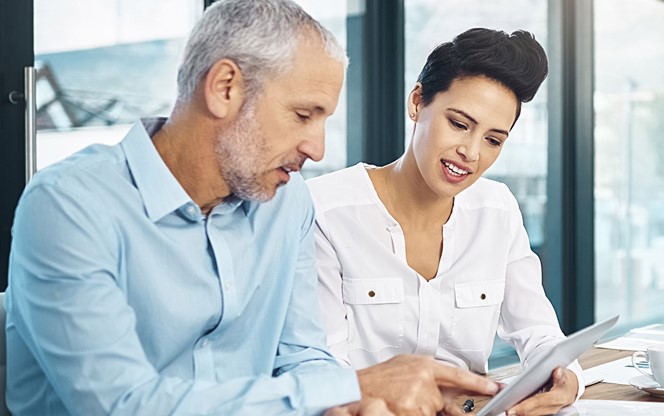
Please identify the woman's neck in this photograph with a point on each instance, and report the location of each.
(407, 197)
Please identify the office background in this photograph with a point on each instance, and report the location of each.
(586, 160)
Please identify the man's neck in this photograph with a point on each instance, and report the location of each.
(187, 148)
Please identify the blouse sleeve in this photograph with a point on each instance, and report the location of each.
(528, 321)
(330, 296)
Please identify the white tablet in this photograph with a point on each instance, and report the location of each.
(539, 371)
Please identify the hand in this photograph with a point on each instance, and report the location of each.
(411, 385)
(365, 407)
(562, 393)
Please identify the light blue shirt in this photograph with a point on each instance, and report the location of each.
(124, 299)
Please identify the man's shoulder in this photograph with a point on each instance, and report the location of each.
(90, 163)
(87, 176)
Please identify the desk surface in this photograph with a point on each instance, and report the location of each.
(608, 391)
(601, 391)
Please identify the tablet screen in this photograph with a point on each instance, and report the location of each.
(539, 370)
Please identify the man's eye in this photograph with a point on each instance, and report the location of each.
(302, 116)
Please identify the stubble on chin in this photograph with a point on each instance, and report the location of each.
(240, 152)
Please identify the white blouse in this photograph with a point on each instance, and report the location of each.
(375, 306)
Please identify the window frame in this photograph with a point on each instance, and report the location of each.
(568, 256)
(16, 23)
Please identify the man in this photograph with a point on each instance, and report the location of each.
(168, 275)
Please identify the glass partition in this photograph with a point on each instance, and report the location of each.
(629, 160)
(102, 65)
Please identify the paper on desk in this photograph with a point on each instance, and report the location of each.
(638, 339)
(617, 372)
(613, 408)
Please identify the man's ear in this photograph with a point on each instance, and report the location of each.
(224, 89)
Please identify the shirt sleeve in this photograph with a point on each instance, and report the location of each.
(72, 315)
(330, 296)
(528, 321)
(302, 351)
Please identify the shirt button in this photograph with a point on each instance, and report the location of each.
(228, 286)
(483, 296)
(204, 343)
(371, 293)
(191, 210)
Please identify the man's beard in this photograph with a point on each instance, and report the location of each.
(241, 152)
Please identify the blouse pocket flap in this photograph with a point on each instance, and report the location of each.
(483, 293)
(372, 291)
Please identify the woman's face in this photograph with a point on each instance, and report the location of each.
(461, 132)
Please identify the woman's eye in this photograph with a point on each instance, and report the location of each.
(458, 125)
(494, 142)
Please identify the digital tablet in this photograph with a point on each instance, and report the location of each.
(539, 371)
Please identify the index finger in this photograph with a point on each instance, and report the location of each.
(447, 376)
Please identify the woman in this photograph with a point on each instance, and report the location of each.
(423, 255)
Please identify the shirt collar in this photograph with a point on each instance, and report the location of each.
(230, 204)
(160, 190)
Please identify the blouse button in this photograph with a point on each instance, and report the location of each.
(483, 296)
(371, 293)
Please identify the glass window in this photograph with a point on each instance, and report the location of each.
(102, 65)
(629, 160)
(332, 15)
(522, 164)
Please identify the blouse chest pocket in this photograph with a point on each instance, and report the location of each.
(478, 294)
(475, 314)
(375, 312)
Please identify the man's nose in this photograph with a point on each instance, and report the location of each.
(314, 146)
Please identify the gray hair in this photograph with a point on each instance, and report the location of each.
(260, 36)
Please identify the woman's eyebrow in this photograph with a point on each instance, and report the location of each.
(469, 117)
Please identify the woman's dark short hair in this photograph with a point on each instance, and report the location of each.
(516, 61)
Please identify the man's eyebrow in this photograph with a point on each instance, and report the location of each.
(469, 117)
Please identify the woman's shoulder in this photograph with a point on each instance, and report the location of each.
(486, 193)
(343, 187)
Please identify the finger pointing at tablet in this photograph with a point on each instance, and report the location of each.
(447, 376)
(412, 384)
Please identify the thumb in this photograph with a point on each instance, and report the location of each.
(559, 376)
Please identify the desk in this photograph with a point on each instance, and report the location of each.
(608, 391)
(601, 391)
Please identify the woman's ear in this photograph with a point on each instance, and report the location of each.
(415, 101)
(224, 89)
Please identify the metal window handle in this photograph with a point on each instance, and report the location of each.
(28, 96)
(16, 97)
